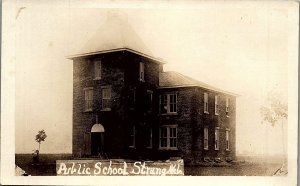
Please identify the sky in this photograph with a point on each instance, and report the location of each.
(236, 47)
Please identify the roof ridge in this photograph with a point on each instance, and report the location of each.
(187, 77)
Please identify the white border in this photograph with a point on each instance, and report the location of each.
(8, 99)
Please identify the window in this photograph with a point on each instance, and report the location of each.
(98, 70)
(164, 101)
(206, 138)
(173, 137)
(163, 137)
(131, 98)
(149, 138)
(106, 96)
(88, 99)
(227, 138)
(173, 103)
(216, 105)
(217, 135)
(149, 100)
(132, 137)
(206, 103)
(227, 106)
(142, 71)
(168, 103)
(168, 137)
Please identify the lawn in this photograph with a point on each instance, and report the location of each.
(237, 169)
(47, 167)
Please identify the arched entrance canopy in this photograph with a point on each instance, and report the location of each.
(97, 128)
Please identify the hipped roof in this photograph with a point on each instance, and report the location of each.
(116, 34)
(173, 79)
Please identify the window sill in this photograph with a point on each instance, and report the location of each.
(168, 148)
(216, 114)
(169, 114)
(132, 147)
(217, 149)
(88, 111)
(106, 109)
(227, 150)
(206, 112)
(227, 116)
(206, 149)
(98, 78)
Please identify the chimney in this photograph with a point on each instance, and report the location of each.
(116, 16)
(161, 68)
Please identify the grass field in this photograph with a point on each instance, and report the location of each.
(47, 167)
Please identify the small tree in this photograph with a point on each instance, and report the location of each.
(41, 136)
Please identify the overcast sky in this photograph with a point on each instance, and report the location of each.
(236, 47)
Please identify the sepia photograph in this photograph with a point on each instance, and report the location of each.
(106, 88)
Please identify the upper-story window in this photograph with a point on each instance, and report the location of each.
(216, 105)
(168, 103)
(168, 137)
(206, 138)
(98, 69)
(142, 72)
(227, 106)
(106, 98)
(88, 99)
(217, 137)
(149, 100)
(206, 103)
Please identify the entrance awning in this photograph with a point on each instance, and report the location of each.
(97, 128)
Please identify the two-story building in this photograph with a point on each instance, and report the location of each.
(126, 106)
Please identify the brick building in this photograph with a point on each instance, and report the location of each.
(126, 106)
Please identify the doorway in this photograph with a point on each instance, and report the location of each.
(97, 144)
(97, 140)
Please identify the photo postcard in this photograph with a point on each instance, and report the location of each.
(124, 90)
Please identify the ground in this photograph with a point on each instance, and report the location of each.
(47, 167)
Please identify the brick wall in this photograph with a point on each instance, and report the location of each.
(191, 121)
(183, 119)
(120, 71)
(113, 76)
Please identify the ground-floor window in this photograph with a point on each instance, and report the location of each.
(206, 138)
(149, 138)
(168, 137)
(132, 137)
(227, 138)
(217, 136)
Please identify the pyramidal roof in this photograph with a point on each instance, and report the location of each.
(114, 35)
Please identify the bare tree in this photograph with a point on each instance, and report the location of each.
(275, 112)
